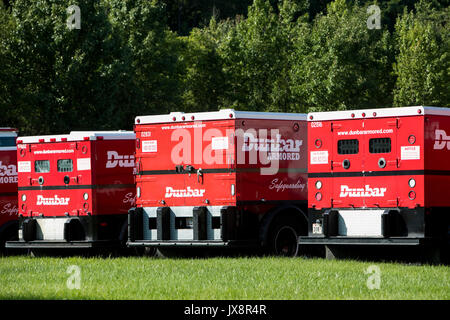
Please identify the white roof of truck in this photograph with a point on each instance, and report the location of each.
(80, 136)
(218, 115)
(8, 132)
(378, 113)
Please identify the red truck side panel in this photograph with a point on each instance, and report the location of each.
(8, 185)
(437, 159)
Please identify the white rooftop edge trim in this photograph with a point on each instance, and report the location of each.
(223, 114)
(79, 136)
(380, 113)
(8, 134)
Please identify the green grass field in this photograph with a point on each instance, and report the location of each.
(217, 278)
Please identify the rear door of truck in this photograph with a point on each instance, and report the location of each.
(381, 161)
(54, 178)
(185, 163)
(347, 162)
(8, 177)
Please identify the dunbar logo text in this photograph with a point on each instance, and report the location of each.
(367, 191)
(441, 140)
(184, 193)
(55, 201)
(8, 174)
(114, 160)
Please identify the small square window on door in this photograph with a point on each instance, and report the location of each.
(42, 166)
(65, 165)
(348, 146)
(380, 145)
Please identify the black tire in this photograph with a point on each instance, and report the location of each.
(283, 238)
(435, 255)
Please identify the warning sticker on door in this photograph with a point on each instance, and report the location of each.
(319, 157)
(24, 166)
(410, 153)
(150, 146)
(83, 164)
(219, 143)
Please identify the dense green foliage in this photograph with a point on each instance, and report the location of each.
(135, 57)
(218, 278)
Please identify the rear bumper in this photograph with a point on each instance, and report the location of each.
(49, 244)
(361, 241)
(199, 243)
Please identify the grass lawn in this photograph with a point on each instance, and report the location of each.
(217, 278)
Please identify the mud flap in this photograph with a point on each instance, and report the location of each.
(200, 223)
(29, 229)
(73, 230)
(135, 224)
(163, 223)
(228, 223)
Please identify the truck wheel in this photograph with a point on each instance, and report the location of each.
(436, 255)
(283, 240)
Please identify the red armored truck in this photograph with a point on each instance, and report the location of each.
(220, 179)
(8, 186)
(75, 190)
(379, 177)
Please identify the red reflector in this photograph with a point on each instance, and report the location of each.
(183, 118)
(192, 118)
(19, 141)
(41, 140)
(174, 118)
(63, 139)
(419, 111)
(86, 138)
(353, 115)
(412, 195)
(52, 139)
(100, 138)
(311, 117)
(374, 114)
(318, 143)
(363, 114)
(231, 115)
(138, 120)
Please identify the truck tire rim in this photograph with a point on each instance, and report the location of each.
(286, 242)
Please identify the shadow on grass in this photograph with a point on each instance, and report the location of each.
(388, 254)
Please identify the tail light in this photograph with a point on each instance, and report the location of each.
(318, 184)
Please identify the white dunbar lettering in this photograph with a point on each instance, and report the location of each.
(114, 159)
(367, 191)
(55, 201)
(8, 174)
(441, 140)
(184, 193)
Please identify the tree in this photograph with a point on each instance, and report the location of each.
(423, 62)
(255, 61)
(6, 105)
(121, 62)
(341, 64)
(204, 80)
(61, 78)
(153, 51)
